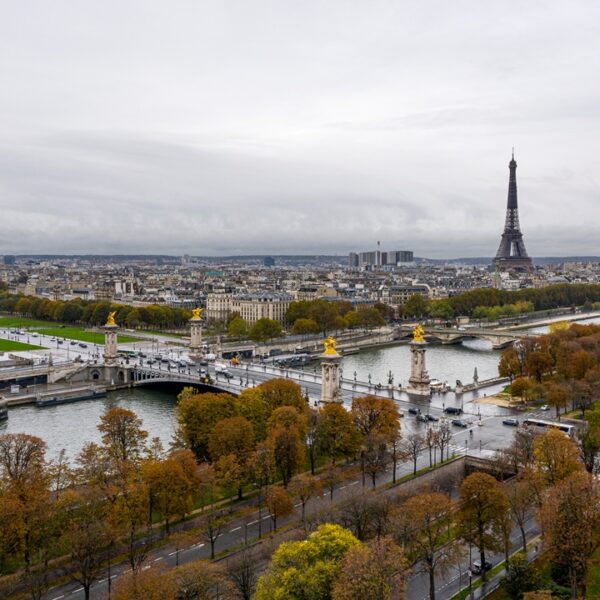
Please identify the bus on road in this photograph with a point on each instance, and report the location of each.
(541, 426)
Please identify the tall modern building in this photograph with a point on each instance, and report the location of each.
(511, 254)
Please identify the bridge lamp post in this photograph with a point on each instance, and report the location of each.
(354, 375)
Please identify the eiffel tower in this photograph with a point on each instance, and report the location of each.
(511, 254)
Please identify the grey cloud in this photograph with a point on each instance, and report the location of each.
(215, 128)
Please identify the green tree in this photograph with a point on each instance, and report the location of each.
(237, 327)
(417, 306)
(520, 577)
(306, 569)
(265, 329)
(305, 327)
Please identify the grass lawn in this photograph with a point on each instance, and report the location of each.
(593, 576)
(78, 333)
(11, 346)
(22, 322)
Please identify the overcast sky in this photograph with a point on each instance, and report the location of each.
(297, 126)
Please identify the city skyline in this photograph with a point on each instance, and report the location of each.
(207, 130)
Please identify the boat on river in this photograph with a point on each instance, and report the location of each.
(69, 398)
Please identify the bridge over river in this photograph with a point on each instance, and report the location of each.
(498, 338)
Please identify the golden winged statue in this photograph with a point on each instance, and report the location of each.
(110, 320)
(196, 314)
(418, 334)
(329, 344)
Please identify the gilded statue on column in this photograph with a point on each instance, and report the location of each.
(418, 334)
(329, 344)
(110, 320)
(197, 314)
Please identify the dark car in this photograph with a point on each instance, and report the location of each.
(431, 418)
(422, 418)
(83, 345)
(476, 568)
(459, 423)
(511, 422)
(453, 410)
(414, 411)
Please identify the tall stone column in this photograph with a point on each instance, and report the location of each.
(110, 340)
(196, 331)
(418, 382)
(330, 373)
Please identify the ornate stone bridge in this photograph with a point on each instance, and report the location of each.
(444, 335)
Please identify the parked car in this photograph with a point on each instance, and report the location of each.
(431, 418)
(477, 569)
(459, 423)
(422, 418)
(511, 422)
(73, 343)
(544, 407)
(453, 410)
(83, 345)
(414, 411)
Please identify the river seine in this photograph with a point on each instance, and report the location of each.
(70, 426)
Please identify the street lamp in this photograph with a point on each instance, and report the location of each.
(354, 375)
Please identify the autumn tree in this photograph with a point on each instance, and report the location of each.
(197, 416)
(151, 584)
(288, 449)
(279, 504)
(521, 499)
(483, 505)
(510, 365)
(122, 434)
(170, 489)
(589, 439)
(233, 437)
(571, 523)
(556, 456)
(374, 571)
(242, 570)
(337, 434)
(305, 487)
(308, 568)
(425, 519)
(262, 472)
(87, 531)
(211, 526)
(282, 392)
(412, 446)
(202, 580)
(24, 483)
(374, 456)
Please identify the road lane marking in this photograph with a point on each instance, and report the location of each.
(297, 505)
(235, 529)
(157, 559)
(354, 482)
(342, 487)
(171, 553)
(253, 522)
(58, 597)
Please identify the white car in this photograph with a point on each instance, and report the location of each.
(544, 407)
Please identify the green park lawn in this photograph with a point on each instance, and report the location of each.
(12, 346)
(22, 322)
(79, 334)
(54, 329)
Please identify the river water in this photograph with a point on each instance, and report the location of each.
(70, 426)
